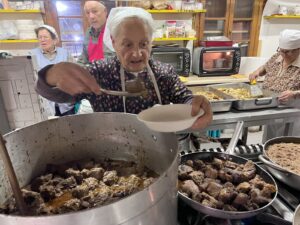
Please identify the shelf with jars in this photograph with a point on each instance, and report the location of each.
(282, 17)
(20, 11)
(18, 41)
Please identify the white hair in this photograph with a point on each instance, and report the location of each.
(119, 15)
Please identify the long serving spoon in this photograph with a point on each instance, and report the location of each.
(135, 87)
(12, 177)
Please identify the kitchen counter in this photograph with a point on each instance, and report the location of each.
(255, 118)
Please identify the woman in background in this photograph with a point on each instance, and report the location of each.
(282, 75)
(46, 54)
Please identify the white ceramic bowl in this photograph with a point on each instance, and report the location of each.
(169, 118)
(296, 219)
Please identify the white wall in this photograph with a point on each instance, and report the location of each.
(271, 28)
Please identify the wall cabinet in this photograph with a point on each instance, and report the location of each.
(238, 20)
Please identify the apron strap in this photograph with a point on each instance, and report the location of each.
(152, 78)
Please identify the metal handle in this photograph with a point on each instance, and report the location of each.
(235, 137)
(121, 93)
(266, 161)
(12, 177)
(263, 101)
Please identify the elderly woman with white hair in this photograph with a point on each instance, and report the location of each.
(130, 30)
(282, 75)
(49, 53)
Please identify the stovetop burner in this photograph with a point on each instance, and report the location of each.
(287, 197)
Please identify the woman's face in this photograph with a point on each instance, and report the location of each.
(45, 40)
(289, 55)
(133, 44)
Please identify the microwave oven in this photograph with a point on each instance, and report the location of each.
(179, 58)
(216, 61)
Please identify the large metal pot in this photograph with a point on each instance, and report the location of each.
(289, 178)
(97, 135)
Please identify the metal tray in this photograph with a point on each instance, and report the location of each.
(268, 100)
(223, 105)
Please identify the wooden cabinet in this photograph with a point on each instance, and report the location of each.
(238, 20)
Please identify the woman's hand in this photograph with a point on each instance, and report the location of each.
(72, 79)
(286, 96)
(253, 76)
(200, 102)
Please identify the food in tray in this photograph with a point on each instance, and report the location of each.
(238, 93)
(224, 184)
(286, 155)
(81, 185)
(209, 95)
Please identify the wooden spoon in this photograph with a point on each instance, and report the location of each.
(12, 177)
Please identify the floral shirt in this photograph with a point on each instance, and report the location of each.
(107, 74)
(278, 79)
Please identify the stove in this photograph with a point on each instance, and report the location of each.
(280, 213)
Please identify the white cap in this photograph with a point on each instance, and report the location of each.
(50, 29)
(118, 14)
(289, 39)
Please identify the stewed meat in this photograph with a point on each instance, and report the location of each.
(80, 185)
(223, 184)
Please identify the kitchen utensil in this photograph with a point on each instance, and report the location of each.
(99, 136)
(12, 177)
(287, 177)
(255, 91)
(228, 155)
(169, 118)
(134, 87)
(123, 93)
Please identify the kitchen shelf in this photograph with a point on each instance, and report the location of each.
(282, 17)
(19, 41)
(20, 11)
(242, 19)
(176, 39)
(176, 11)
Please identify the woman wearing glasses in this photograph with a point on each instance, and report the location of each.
(282, 75)
(48, 53)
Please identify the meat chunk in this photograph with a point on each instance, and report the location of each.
(268, 190)
(75, 173)
(218, 163)
(97, 173)
(214, 189)
(197, 177)
(189, 187)
(184, 171)
(71, 205)
(210, 172)
(227, 194)
(240, 200)
(110, 177)
(244, 187)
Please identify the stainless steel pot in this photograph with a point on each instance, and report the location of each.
(97, 135)
(289, 178)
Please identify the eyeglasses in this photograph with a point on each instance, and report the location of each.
(286, 51)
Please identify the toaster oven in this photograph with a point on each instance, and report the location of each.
(216, 61)
(179, 58)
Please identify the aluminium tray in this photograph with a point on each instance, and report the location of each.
(223, 105)
(269, 99)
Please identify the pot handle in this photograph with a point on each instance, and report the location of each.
(266, 161)
(235, 137)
